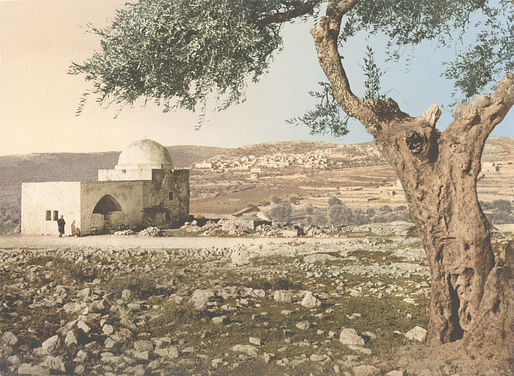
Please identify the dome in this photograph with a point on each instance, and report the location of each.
(145, 154)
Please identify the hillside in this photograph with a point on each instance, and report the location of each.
(226, 180)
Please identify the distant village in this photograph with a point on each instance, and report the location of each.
(329, 158)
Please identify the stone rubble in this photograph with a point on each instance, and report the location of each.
(91, 311)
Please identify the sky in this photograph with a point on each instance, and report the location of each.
(39, 39)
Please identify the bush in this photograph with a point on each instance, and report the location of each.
(501, 206)
(386, 209)
(333, 201)
(281, 212)
(340, 215)
(276, 200)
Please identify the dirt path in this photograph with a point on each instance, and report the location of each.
(147, 242)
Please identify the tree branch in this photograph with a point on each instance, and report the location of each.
(372, 113)
(479, 118)
(280, 17)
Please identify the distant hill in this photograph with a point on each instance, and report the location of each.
(15, 169)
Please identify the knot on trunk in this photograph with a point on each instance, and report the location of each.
(415, 141)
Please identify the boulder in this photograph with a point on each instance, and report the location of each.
(349, 336)
(310, 301)
(201, 297)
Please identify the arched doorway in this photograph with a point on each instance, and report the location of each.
(107, 215)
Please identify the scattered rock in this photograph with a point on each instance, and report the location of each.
(29, 369)
(50, 344)
(416, 334)
(201, 297)
(349, 336)
(70, 339)
(170, 352)
(107, 329)
(310, 301)
(255, 341)
(283, 296)
(303, 325)
(365, 370)
(246, 349)
(9, 339)
(54, 363)
(143, 345)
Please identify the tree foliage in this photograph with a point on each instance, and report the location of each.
(179, 53)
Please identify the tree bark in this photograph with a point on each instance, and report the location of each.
(471, 295)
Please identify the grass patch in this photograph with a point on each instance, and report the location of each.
(63, 268)
(142, 285)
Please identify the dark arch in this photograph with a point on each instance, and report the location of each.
(106, 205)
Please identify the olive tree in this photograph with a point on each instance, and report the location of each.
(178, 53)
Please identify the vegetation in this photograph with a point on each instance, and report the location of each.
(178, 53)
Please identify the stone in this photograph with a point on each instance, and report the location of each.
(360, 349)
(141, 355)
(201, 297)
(70, 339)
(143, 345)
(79, 369)
(170, 352)
(303, 325)
(255, 341)
(310, 301)
(216, 362)
(55, 363)
(246, 349)
(109, 343)
(81, 354)
(108, 329)
(9, 339)
(83, 326)
(395, 373)
(349, 336)
(317, 357)
(416, 334)
(29, 369)
(126, 294)
(73, 307)
(13, 360)
(365, 370)
(283, 296)
(84, 293)
(134, 306)
(218, 320)
(50, 344)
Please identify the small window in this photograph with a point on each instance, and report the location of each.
(171, 196)
(56, 215)
(48, 215)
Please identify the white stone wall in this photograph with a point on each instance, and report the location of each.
(124, 174)
(37, 198)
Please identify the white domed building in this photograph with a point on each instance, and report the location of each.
(143, 189)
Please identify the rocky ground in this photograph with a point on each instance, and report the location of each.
(293, 307)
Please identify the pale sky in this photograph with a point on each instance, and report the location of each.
(40, 38)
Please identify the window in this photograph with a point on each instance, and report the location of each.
(48, 215)
(56, 215)
(171, 196)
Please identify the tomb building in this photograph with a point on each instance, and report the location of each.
(144, 189)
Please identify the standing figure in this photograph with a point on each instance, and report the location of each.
(60, 223)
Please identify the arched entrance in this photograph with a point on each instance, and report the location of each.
(107, 215)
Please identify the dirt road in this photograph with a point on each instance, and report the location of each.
(146, 242)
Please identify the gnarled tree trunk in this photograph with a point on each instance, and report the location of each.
(471, 299)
